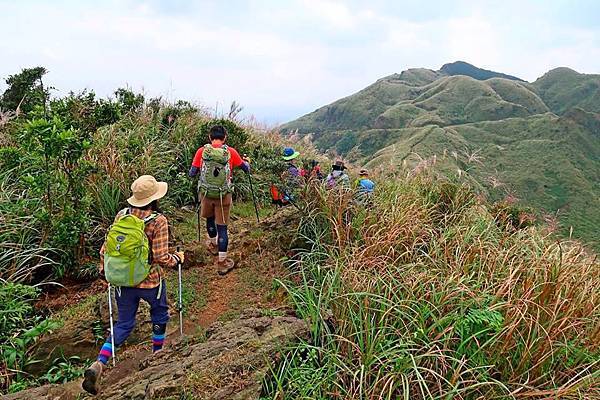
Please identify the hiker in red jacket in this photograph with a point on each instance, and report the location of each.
(214, 164)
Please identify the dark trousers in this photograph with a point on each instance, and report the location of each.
(128, 301)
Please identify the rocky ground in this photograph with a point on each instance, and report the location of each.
(234, 325)
(230, 363)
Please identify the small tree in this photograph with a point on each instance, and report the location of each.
(57, 152)
(25, 90)
(128, 100)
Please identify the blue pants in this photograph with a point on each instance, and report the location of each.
(128, 303)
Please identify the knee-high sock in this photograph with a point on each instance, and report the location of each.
(211, 228)
(223, 240)
(105, 352)
(158, 336)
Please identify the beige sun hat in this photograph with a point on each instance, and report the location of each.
(145, 190)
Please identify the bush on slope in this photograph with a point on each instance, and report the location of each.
(432, 294)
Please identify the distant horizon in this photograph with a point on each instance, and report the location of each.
(283, 60)
(221, 107)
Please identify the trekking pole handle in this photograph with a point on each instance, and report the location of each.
(178, 250)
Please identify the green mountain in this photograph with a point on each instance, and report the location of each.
(539, 142)
(563, 89)
(463, 68)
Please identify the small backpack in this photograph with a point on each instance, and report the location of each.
(340, 180)
(215, 173)
(127, 254)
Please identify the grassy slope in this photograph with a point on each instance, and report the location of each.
(442, 300)
(507, 123)
(563, 88)
(550, 163)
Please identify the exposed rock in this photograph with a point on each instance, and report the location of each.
(82, 333)
(229, 364)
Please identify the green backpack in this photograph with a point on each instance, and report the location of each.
(215, 173)
(127, 251)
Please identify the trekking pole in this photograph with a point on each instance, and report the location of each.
(112, 330)
(253, 197)
(197, 197)
(292, 202)
(180, 305)
(245, 157)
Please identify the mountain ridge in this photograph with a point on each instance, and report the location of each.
(430, 113)
(464, 68)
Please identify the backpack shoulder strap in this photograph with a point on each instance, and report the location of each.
(151, 217)
(122, 213)
(227, 152)
(207, 148)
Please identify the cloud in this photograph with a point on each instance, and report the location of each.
(279, 59)
(472, 38)
(334, 13)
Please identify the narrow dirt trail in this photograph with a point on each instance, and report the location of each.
(249, 284)
(219, 289)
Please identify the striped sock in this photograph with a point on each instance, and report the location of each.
(158, 336)
(105, 353)
(157, 342)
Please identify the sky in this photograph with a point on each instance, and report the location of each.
(281, 59)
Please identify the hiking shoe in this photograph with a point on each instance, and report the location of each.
(225, 266)
(212, 247)
(91, 380)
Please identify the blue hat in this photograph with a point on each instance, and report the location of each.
(289, 154)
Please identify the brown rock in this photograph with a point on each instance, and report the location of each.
(230, 364)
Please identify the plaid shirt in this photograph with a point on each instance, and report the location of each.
(157, 231)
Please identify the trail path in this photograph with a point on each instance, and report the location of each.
(215, 297)
(257, 249)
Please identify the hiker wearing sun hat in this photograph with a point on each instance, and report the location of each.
(364, 188)
(293, 173)
(137, 274)
(338, 178)
(282, 193)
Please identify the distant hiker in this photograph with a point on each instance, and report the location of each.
(364, 188)
(131, 259)
(214, 163)
(338, 178)
(282, 194)
(315, 171)
(292, 172)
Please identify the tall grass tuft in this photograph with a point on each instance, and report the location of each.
(430, 295)
(21, 254)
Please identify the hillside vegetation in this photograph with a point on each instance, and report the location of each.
(431, 293)
(435, 294)
(537, 142)
(66, 165)
(563, 89)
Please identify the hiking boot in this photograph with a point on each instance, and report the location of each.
(212, 248)
(91, 381)
(225, 266)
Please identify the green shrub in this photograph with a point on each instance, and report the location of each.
(19, 330)
(236, 134)
(64, 370)
(428, 297)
